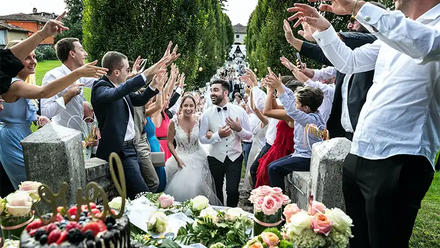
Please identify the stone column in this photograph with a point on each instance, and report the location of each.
(326, 171)
(54, 155)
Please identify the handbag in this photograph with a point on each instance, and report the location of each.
(158, 158)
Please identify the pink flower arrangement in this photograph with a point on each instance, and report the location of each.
(268, 200)
(316, 225)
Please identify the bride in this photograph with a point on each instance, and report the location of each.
(187, 171)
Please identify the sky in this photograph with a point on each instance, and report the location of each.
(238, 10)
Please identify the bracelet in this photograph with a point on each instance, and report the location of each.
(354, 8)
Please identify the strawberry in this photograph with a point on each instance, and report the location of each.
(54, 236)
(93, 226)
(84, 208)
(72, 210)
(102, 226)
(72, 225)
(35, 224)
(62, 238)
(92, 205)
(96, 212)
(49, 228)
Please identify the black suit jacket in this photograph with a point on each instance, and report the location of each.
(358, 87)
(112, 112)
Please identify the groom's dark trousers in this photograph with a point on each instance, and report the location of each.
(232, 169)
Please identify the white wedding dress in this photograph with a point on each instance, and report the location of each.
(194, 179)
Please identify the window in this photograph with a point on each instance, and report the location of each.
(237, 36)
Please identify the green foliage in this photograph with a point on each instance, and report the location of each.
(199, 27)
(45, 52)
(265, 41)
(72, 20)
(207, 232)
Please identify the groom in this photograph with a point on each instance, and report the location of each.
(229, 124)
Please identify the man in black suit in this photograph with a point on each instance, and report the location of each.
(113, 100)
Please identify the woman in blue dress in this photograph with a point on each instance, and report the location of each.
(152, 107)
(19, 112)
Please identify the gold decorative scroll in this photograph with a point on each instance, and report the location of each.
(92, 192)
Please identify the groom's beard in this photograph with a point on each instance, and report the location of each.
(216, 100)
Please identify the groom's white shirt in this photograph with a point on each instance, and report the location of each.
(213, 120)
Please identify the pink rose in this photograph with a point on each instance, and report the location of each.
(30, 186)
(290, 210)
(270, 205)
(166, 201)
(278, 199)
(277, 191)
(270, 239)
(317, 207)
(321, 224)
(254, 197)
(264, 190)
(286, 199)
(259, 204)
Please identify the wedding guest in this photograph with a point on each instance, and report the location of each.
(383, 174)
(113, 100)
(66, 107)
(10, 58)
(302, 107)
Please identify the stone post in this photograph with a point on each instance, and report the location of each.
(54, 155)
(326, 171)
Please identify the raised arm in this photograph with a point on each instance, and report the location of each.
(269, 111)
(257, 112)
(21, 89)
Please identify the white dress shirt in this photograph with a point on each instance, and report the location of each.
(327, 102)
(244, 134)
(259, 101)
(324, 73)
(70, 114)
(175, 108)
(253, 122)
(130, 133)
(401, 113)
(345, 114)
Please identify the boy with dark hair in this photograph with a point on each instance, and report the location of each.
(302, 106)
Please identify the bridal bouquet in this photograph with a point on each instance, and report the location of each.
(15, 209)
(319, 227)
(268, 203)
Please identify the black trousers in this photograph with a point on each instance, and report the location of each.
(255, 164)
(232, 169)
(383, 198)
(6, 186)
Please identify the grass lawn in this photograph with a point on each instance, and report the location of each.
(426, 231)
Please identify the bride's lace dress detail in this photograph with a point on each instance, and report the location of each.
(194, 179)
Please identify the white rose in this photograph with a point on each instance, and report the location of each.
(210, 213)
(18, 203)
(299, 222)
(199, 203)
(116, 203)
(157, 222)
(340, 220)
(233, 213)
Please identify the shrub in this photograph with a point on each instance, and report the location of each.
(45, 52)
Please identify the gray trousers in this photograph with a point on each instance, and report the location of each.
(147, 169)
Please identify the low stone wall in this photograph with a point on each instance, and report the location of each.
(324, 180)
(97, 170)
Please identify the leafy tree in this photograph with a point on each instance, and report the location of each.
(72, 20)
(265, 41)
